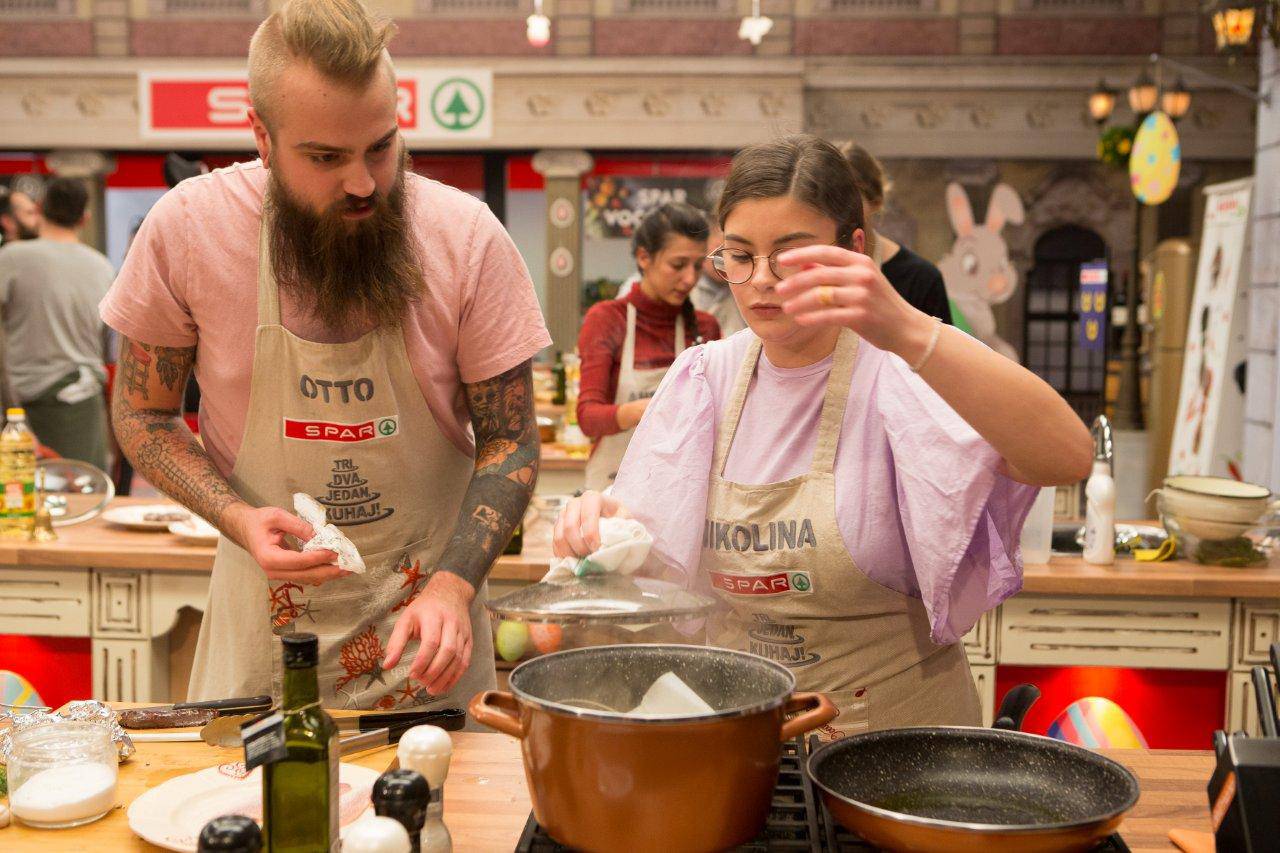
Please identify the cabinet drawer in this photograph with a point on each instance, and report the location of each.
(44, 602)
(119, 604)
(1129, 632)
(980, 642)
(984, 678)
(1242, 708)
(1257, 626)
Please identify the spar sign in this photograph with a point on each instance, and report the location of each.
(439, 104)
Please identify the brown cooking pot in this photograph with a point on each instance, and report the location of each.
(602, 780)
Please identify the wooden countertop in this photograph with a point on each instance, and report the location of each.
(100, 545)
(487, 803)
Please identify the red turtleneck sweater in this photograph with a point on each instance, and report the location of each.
(600, 341)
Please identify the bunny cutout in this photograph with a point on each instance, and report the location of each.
(976, 270)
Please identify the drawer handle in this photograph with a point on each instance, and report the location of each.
(1123, 614)
(1163, 632)
(52, 616)
(33, 599)
(1087, 647)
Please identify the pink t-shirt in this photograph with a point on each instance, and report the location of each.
(190, 278)
(919, 499)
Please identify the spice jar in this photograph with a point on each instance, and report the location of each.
(62, 775)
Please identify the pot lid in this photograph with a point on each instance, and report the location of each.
(602, 599)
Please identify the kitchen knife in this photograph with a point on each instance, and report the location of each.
(190, 713)
(225, 731)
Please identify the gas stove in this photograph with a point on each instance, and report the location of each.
(798, 821)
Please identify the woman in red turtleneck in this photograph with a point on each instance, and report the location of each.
(627, 344)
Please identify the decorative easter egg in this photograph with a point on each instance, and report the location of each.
(1155, 159)
(1097, 723)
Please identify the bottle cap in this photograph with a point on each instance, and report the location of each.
(233, 833)
(15, 413)
(301, 651)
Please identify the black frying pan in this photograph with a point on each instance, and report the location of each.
(950, 788)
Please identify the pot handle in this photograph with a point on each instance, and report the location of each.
(812, 709)
(498, 710)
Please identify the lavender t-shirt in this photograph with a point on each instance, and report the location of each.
(919, 498)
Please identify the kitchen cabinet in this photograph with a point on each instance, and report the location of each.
(984, 678)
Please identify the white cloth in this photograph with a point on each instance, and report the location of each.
(326, 536)
(624, 545)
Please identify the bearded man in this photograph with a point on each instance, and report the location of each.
(360, 334)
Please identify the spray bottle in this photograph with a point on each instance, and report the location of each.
(1100, 500)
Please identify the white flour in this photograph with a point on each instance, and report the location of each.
(64, 794)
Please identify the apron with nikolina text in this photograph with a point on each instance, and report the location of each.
(633, 384)
(775, 556)
(348, 425)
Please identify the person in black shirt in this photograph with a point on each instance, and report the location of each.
(918, 281)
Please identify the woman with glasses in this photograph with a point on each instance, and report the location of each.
(850, 477)
(627, 344)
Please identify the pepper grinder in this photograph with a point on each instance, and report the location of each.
(428, 749)
(403, 795)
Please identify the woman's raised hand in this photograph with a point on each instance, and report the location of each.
(577, 531)
(839, 287)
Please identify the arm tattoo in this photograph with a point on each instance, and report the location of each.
(146, 413)
(507, 455)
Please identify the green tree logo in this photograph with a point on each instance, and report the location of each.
(387, 426)
(457, 104)
(800, 581)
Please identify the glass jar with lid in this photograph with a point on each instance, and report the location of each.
(63, 774)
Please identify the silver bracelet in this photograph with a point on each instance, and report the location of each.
(928, 351)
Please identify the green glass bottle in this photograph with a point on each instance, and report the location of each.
(516, 544)
(300, 791)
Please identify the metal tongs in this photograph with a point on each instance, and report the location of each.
(375, 729)
(1268, 719)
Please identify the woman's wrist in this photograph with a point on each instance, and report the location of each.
(916, 334)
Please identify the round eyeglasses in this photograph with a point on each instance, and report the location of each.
(738, 266)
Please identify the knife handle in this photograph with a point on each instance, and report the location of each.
(241, 703)
(449, 719)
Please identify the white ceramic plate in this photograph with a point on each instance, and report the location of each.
(172, 814)
(1219, 487)
(195, 531)
(135, 517)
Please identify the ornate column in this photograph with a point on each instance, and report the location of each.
(563, 171)
(92, 167)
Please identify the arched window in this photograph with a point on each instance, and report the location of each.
(1051, 317)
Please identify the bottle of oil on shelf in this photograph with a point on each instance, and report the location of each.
(18, 476)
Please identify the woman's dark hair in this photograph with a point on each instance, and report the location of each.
(652, 235)
(804, 167)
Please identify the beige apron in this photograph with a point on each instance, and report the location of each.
(775, 556)
(347, 424)
(633, 384)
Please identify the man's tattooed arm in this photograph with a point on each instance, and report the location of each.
(507, 455)
(146, 413)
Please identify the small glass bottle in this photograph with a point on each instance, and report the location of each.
(63, 774)
(231, 833)
(561, 395)
(403, 795)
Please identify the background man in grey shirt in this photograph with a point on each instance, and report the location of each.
(19, 216)
(50, 288)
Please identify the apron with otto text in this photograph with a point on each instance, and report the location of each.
(348, 425)
(775, 556)
(633, 384)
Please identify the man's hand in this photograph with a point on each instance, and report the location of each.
(441, 620)
(262, 532)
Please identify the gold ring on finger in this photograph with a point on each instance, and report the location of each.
(826, 295)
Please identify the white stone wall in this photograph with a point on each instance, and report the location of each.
(1262, 402)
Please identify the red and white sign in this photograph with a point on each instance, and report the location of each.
(344, 433)
(779, 583)
(216, 104)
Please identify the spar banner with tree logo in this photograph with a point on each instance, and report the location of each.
(615, 205)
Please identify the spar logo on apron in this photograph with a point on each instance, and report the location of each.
(778, 583)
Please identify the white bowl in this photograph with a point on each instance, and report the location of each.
(1214, 499)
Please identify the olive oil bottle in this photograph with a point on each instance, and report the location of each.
(300, 791)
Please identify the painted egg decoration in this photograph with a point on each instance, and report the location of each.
(1155, 160)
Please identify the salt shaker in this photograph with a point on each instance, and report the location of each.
(376, 835)
(427, 749)
(403, 795)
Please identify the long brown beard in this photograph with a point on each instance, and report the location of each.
(345, 274)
